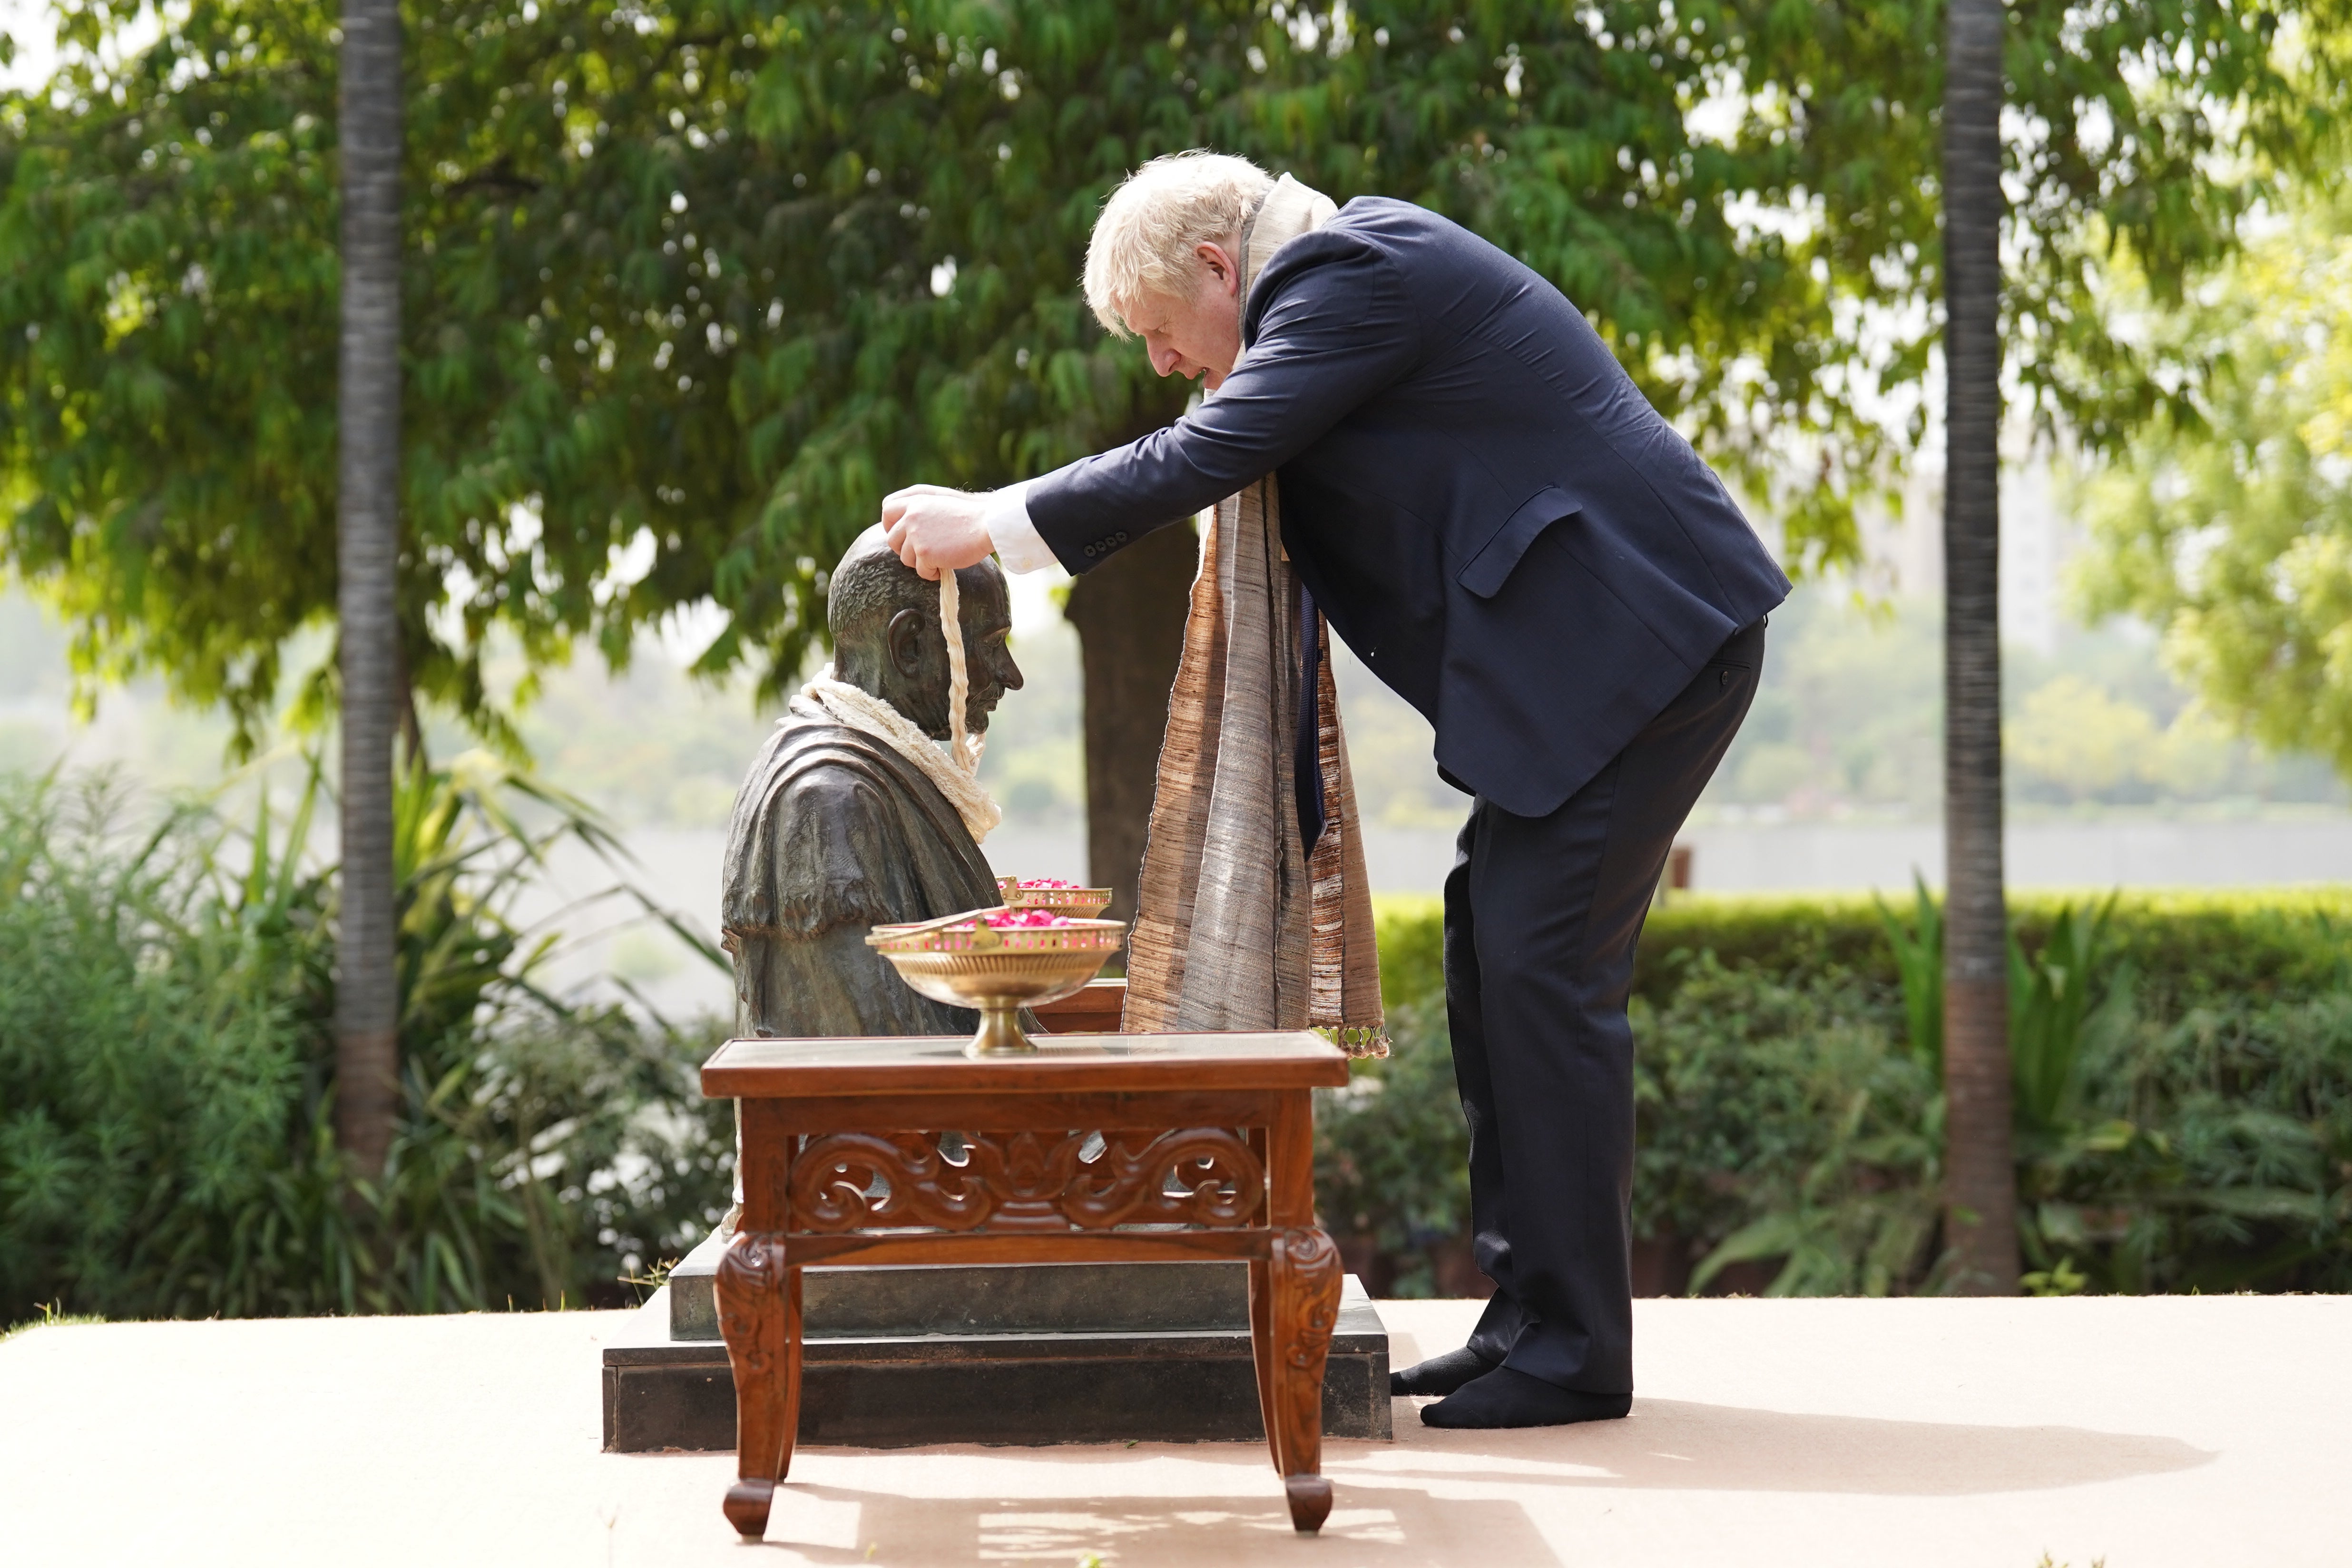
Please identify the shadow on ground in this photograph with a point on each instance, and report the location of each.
(1401, 1504)
(1389, 1526)
(1675, 1444)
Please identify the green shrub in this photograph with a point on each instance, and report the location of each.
(1776, 1121)
(2185, 1113)
(1391, 1149)
(2213, 1152)
(150, 1045)
(166, 1075)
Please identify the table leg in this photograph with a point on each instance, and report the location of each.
(1263, 1355)
(760, 1318)
(1303, 1307)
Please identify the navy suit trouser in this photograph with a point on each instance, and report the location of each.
(1542, 919)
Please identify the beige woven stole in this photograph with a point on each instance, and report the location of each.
(1239, 928)
(1344, 954)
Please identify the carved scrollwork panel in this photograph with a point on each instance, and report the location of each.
(1305, 1277)
(1312, 1260)
(1217, 1182)
(859, 1181)
(1027, 1181)
(1027, 1174)
(749, 1287)
(759, 1315)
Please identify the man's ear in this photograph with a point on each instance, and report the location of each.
(903, 638)
(1220, 265)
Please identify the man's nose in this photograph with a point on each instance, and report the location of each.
(1164, 359)
(1008, 674)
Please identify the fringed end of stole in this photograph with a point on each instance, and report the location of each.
(1359, 1041)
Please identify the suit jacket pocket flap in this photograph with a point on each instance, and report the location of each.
(1491, 567)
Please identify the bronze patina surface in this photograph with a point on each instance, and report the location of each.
(833, 832)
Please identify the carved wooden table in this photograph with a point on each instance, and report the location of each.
(1099, 1147)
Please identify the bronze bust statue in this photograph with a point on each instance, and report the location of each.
(843, 823)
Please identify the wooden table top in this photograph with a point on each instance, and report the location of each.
(932, 1064)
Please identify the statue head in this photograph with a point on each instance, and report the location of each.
(886, 638)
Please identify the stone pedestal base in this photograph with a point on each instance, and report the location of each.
(1016, 1354)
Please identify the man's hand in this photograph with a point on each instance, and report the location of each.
(935, 529)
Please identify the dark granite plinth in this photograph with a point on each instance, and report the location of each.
(1030, 1354)
(1000, 1298)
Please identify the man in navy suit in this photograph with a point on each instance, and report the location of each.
(1504, 529)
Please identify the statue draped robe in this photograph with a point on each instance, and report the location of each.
(833, 832)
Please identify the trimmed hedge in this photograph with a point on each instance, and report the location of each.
(1791, 1137)
(2188, 947)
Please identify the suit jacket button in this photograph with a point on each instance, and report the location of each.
(1120, 536)
(1090, 549)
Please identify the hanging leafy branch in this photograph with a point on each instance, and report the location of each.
(691, 285)
(2229, 525)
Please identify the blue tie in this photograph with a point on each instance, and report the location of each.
(1307, 753)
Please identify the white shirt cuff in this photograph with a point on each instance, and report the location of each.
(1018, 544)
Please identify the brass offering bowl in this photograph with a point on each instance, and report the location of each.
(963, 960)
(1079, 903)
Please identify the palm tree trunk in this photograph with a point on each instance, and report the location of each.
(1981, 1180)
(367, 542)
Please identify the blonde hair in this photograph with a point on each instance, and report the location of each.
(1144, 241)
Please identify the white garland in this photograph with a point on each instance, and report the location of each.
(964, 749)
(828, 697)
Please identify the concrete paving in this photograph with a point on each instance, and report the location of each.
(2213, 1432)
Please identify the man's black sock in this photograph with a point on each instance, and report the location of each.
(1441, 1374)
(1507, 1398)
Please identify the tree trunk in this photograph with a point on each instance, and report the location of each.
(1979, 1177)
(367, 541)
(1129, 613)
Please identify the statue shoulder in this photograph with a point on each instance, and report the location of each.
(832, 781)
(818, 839)
(812, 766)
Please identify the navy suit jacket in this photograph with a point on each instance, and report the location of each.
(1479, 498)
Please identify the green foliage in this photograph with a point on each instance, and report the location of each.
(167, 1076)
(2230, 527)
(164, 1084)
(690, 285)
(1852, 720)
(2184, 1095)
(138, 1040)
(1774, 1115)
(2186, 948)
(2051, 1014)
(50, 1318)
(1413, 945)
(1391, 1149)
(1777, 934)
(1918, 951)
(2220, 1160)
(1853, 711)
(2087, 743)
